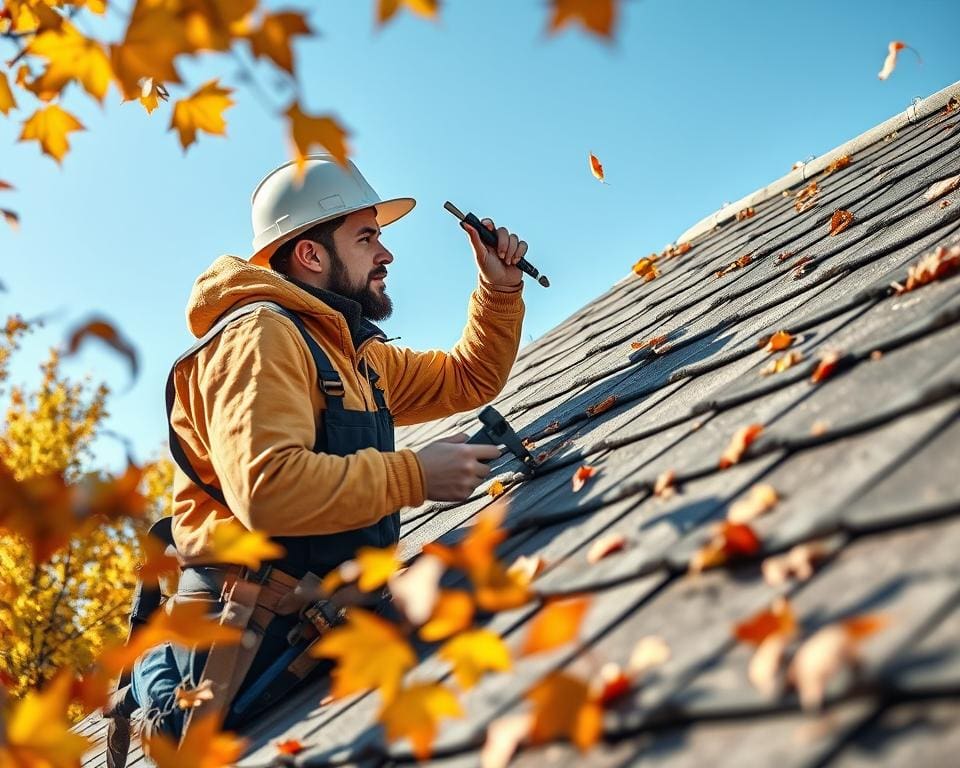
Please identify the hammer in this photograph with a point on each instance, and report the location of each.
(496, 431)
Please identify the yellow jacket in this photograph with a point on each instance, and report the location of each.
(247, 405)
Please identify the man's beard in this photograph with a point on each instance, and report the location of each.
(373, 305)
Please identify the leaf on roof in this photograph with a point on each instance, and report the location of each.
(603, 405)
(650, 343)
(504, 736)
(826, 367)
(739, 443)
(498, 589)
(729, 541)
(581, 476)
(806, 197)
(782, 363)
(941, 188)
(735, 265)
(496, 489)
(473, 653)
(415, 714)
(647, 268)
(759, 500)
(289, 747)
(596, 168)
(798, 563)
(606, 545)
(840, 220)
(779, 341)
(666, 484)
(778, 619)
(415, 590)
(827, 653)
(557, 623)
(564, 705)
(611, 683)
(837, 165)
(935, 265)
(746, 213)
(452, 613)
(649, 653)
(890, 62)
(527, 568)
(800, 266)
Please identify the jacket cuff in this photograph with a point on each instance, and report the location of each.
(406, 486)
(503, 301)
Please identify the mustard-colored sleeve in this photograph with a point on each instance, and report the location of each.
(261, 429)
(422, 386)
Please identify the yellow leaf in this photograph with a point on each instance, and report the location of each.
(370, 652)
(7, 102)
(233, 543)
(71, 56)
(201, 111)
(50, 126)
(415, 713)
(597, 16)
(204, 746)
(496, 489)
(152, 93)
(376, 566)
(761, 499)
(452, 613)
(155, 36)
(156, 562)
(473, 653)
(211, 25)
(307, 131)
(38, 732)
(563, 705)
(387, 8)
(272, 39)
(557, 624)
(499, 589)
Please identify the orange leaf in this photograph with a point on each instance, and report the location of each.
(498, 589)
(760, 500)
(188, 698)
(739, 443)
(386, 9)
(504, 735)
(272, 39)
(778, 619)
(452, 613)
(473, 653)
(779, 341)
(604, 405)
(156, 562)
(890, 62)
(596, 168)
(376, 566)
(746, 213)
(557, 623)
(496, 489)
(289, 747)
(666, 484)
(651, 342)
(605, 545)
(581, 476)
(202, 110)
(798, 563)
(826, 368)
(7, 102)
(231, 542)
(12, 219)
(806, 197)
(839, 164)
(612, 683)
(735, 265)
(415, 713)
(942, 188)
(597, 16)
(563, 705)
(527, 568)
(308, 131)
(840, 220)
(781, 364)
(70, 56)
(103, 330)
(646, 268)
(728, 540)
(204, 746)
(861, 627)
(50, 125)
(936, 265)
(152, 93)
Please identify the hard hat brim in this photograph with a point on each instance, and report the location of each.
(388, 211)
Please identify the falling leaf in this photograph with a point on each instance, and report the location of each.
(7, 101)
(890, 62)
(604, 405)
(782, 363)
(666, 484)
(806, 197)
(346, 573)
(473, 653)
(827, 653)
(156, 562)
(308, 131)
(232, 542)
(739, 443)
(12, 219)
(71, 56)
(272, 39)
(496, 489)
(581, 476)
(152, 93)
(50, 125)
(760, 500)
(935, 265)
(452, 613)
(558, 623)
(797, 564)
(826, 367)
(202, 111)
(605, 545)
(777, 619)
(203, 746)
(376, 566)
(107, 333)
(564, 705)
(728, 540)
(37, 731)
(188, 698)
(370, 653)
(840, 220)
(746, 213)
(386, 9)
(779, 341)
(415, 713)
(942, 188)
(416, 590)
(649, 653)
(504, 735)
(596, 168)
(289, 747)
(596, 16)
(154, 37)
(837, 165)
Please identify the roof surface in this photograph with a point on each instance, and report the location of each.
(866, 462)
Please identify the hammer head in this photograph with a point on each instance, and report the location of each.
(497, 431)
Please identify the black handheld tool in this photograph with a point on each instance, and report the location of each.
(497, 431)
(490, 238)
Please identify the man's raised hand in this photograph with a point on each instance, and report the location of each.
(496, 265)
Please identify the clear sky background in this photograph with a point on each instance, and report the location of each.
(696, 103)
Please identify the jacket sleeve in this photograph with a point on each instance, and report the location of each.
(260, 422)
(422, 386)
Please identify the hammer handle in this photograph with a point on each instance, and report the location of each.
(490, 238)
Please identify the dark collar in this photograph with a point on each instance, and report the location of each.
(360, 328)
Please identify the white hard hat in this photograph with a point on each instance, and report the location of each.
(282, 207)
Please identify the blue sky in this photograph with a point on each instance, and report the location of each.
(696, 103)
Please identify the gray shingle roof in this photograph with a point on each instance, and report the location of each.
(876, 480)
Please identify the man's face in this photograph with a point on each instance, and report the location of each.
(358, 267)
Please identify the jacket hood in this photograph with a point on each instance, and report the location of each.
(231, 282)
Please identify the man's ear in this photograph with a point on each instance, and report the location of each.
(310, 256)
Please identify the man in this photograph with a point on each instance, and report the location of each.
(282, 414)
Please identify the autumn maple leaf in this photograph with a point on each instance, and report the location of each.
(98, 328)
(452, 613)
(415, 714)
(556, 624)
(7, 102)
(473, 653)
(202, 111)
(386, 9)
(564, 705)
(272, 38)
(232, 542)
(204, 746)
(50, 126)
(597, 16)
(308, 131)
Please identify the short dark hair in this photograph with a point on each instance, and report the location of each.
(321, 233)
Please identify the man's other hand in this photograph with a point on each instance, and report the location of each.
(453, 469)
(496, 265)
